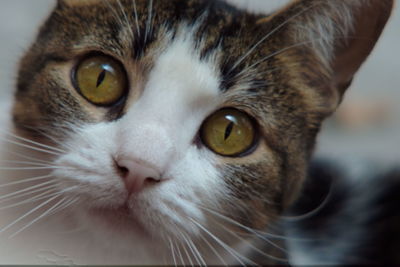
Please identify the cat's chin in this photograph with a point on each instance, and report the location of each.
(118, 219)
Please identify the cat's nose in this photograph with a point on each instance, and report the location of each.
(136, 175)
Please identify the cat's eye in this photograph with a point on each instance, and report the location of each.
(229, 132)
(101, 80)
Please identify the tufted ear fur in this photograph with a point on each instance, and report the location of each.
(341, 33)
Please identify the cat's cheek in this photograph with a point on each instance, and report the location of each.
(86, 173)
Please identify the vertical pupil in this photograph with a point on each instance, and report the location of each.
(101, 77)
(228, 130)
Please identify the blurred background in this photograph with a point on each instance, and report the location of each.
(366, 126)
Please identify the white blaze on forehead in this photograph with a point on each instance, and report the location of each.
(180, 92)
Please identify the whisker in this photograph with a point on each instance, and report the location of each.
(128, 23)
(29, 158)
(44, 195)
(234, 253)
(26, 163)
(136, 17)
(171, 245)
(26, 180)
(37, 219)
(66, 205)
(276, 29)
(27, 214)
(280, 52)
(244, 227)
(115, 13)
(50, 148)
(52, 138)
(312, 212)
(274, 54)
(29, 189)
(179, 253)
(252, 246)
(35, 143)
(34, 168)
(241, 225)
(31, 147)
(185, 250)
(149, 20)
(195, 252)
(51, 187)
(213, 250)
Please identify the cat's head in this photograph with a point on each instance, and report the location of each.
(184, 120)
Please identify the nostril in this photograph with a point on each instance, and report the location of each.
(136, 174)
(123, 171)
(151, 180)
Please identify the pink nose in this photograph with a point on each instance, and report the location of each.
(137, 175)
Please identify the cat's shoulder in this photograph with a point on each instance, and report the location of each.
(349, 208)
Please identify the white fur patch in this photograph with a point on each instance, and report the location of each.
(158, 129)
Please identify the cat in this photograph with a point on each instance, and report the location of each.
(172, 132)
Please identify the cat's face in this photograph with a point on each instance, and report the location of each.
(181, 121)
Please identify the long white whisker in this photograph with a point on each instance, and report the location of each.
(234, 253)
(49, 148)
(128, 23)
(28, 193)
(53, 138)
(171, 245)
(31, 147)
(279, 52)
(34, 164)
(251, 50)
(274, 54)
(26, 180)
(237, 223)
(196, 251)
(29, 158)
(38, 218)
(44, 195)
(252, 246)
(213, 250)
(136, 17)
(47, 194)
(312, 212)
(179, 253)
(115, 13)
(149, 20)
(67, 204)
(29, 189)
(186, 252)
(27, 214)
(34, 168)
(192, 250)
(256, 233)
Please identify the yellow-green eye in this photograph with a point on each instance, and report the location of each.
(228, 132)
(101, 80)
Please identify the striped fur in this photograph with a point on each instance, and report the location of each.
(186, 59)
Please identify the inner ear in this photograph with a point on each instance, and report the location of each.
(369, 20)
(340, 33)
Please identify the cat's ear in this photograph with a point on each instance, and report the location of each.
(341, 32)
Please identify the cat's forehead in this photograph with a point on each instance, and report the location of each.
(132, 28)
(138, 31)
